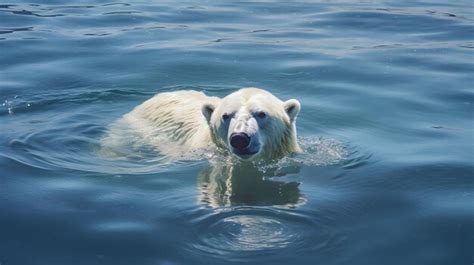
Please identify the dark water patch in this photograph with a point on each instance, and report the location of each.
(260, 30)
(468, 45)
(72, 7)
(116, 4)
(6, 6)
(123, 13)
(11, 30)
(97, 34)
(31, 13)
(221, 40)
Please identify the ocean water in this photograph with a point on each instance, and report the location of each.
(387, 97)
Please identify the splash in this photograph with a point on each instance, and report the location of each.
(317, 151)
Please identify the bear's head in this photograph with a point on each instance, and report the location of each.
(252, 123)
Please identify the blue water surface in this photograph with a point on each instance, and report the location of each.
(387, 97)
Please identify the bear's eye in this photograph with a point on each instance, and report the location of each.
(225, 117)
(261, 114)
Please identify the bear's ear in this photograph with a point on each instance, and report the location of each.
(207, 110)
(292, 108)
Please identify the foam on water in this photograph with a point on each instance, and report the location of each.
(317, 151)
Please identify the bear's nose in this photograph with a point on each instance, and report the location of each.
(239, 140)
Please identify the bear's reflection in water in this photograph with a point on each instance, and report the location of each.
(245, 184)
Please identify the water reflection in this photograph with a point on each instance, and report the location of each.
(245, 184)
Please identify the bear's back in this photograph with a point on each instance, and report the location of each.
(178, 116)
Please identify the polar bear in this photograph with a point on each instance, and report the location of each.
(250, 123)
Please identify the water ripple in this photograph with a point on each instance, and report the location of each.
(28, 103)
(258, 231)
(11, 30)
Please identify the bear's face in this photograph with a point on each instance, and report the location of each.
(252, 123)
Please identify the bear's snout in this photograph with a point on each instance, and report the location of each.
(239, 141)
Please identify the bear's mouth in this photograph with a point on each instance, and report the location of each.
(244, 154)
